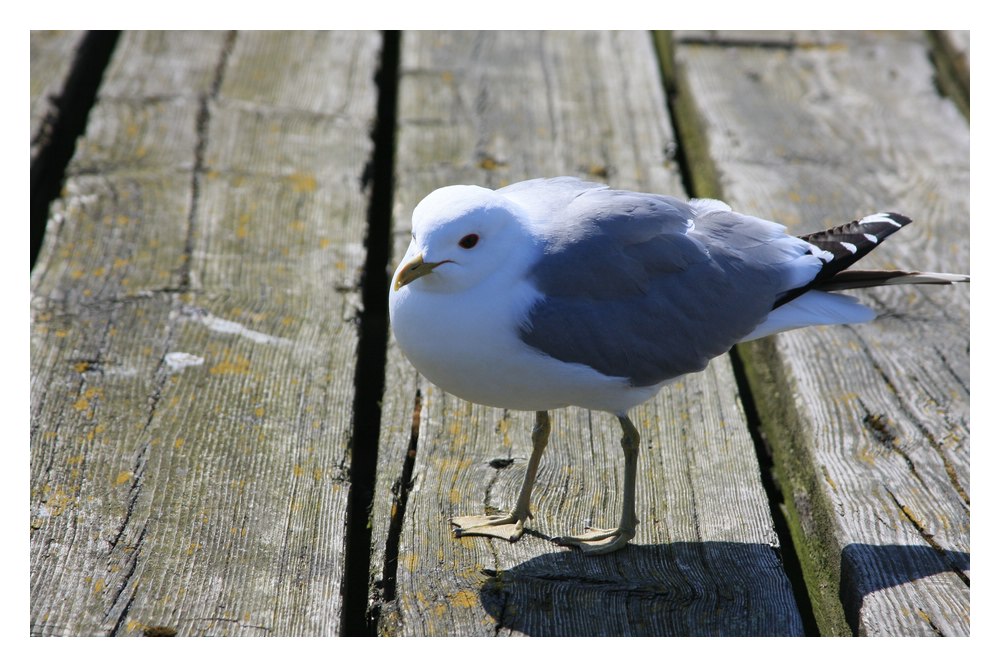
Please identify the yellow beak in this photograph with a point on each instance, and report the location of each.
(415, 268)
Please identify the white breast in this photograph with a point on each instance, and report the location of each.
(467, 343)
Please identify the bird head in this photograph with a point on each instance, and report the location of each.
(462, 235)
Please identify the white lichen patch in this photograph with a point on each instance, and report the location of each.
(178, 361)
(220, 325)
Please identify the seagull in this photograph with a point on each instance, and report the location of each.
(558, 292)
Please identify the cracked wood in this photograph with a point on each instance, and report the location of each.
(193, 340)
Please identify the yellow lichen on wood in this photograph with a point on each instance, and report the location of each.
(301, 181)
(465, 599)
(231, 364)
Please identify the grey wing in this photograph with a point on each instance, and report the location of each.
(637, 291)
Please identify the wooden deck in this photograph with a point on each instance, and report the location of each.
(226, 441)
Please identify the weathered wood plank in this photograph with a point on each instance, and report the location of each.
(952, 55)
(51, 59)
(492, 109)
(194, 340)
(869, 424)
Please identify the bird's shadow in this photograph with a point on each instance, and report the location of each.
(685, 589)
(866, 568)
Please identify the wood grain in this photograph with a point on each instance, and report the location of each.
(869, 424)
(51, 59)
(194, 340)
(493, 109)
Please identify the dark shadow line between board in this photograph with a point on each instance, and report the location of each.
(369, 379)
(59, 135)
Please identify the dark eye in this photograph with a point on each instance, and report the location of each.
(469, 241)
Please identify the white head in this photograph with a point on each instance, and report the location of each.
(462, 235)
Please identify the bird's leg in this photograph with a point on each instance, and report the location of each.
(593, 541)
(510, 526)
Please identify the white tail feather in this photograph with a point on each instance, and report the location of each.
(810, 309)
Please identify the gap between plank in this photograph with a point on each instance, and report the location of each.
(775, 498)
(700, 179)
(369, 378)
(400, 496)
(951, 77)
(48, 170)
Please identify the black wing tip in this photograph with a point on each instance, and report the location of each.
(896, 219)
(858, 237)
(844, 245)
